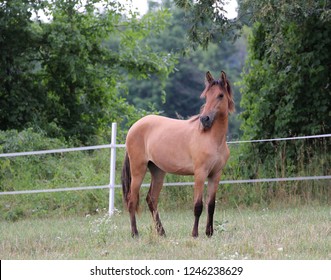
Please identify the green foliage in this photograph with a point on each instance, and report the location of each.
(286, 83)
(285, 86)
(285, 159)
(207, 22)
(27, 140)
(63, 75)
(182, 89)
(47, 172)
(20, 88)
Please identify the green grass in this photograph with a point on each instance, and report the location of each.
(290, 233)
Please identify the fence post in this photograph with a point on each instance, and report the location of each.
(112, 168)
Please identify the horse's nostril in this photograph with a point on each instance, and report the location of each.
(204, 119)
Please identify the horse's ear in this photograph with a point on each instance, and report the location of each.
(209, 78)
(227, 85)
(223, 78)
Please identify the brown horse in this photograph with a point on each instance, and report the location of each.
(196, 146)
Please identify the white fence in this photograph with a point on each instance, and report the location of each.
(112, 185)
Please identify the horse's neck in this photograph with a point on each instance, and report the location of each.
(220, 129)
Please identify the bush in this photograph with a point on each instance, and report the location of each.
(49, 172)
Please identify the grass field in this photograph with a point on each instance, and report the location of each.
(292, 233)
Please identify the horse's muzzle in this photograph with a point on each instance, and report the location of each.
(206, 121)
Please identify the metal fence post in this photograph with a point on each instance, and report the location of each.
(112, 168)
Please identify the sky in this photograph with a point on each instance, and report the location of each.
(231, 7)
(142, 7)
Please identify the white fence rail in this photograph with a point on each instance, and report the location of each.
(113, 146)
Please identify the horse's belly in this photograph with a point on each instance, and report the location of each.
(175, 169)
(174, 161)
(179, 170)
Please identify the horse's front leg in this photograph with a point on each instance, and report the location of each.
(213, 182)
(199, 180)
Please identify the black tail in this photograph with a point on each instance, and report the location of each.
(126, 179)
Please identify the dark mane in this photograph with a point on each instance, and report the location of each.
(217, 82)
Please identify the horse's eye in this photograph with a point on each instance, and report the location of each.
(221, 96)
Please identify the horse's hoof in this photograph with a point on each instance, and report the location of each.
(209, 232)
(162, 233)
(134, 235)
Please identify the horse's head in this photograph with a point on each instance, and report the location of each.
(219, 100)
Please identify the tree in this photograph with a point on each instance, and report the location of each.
(179, 95)
(184, 86)
(286, 85)
(208, 21)
(61, 75)
(21, 92)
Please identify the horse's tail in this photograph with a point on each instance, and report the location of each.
(126, 179)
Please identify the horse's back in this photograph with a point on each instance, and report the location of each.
(144, 126)
(151, 125)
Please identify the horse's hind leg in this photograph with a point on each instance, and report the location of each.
(153, 195)
(137, 173)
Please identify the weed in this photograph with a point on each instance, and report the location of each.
(220, 226)
(103, 228)
(14, 215)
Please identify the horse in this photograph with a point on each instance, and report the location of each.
(196, 146)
